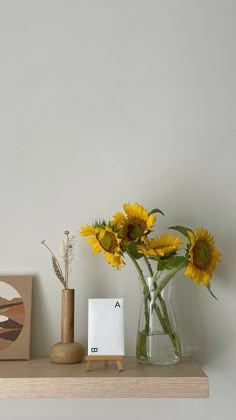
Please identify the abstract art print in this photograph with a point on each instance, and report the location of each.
(15, 317)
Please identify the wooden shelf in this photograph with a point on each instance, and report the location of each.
(39, 378)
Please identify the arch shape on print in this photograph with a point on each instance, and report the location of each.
(15, 317)
(12, 314)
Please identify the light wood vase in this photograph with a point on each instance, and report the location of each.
(67, 351)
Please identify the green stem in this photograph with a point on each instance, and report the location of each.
(166, 279)
(141, 276)
(165, 313)
(159, 314)
(165, 325)
(173, 337)
(148, 265)
(145, 292)
(164, 319)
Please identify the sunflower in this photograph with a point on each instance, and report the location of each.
(203, 256)
(104, 239)
(135, 224)
(160, 246)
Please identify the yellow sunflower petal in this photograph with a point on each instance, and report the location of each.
(203, 256)
(161, 245)
(96, 247)
(119, 218)
(189, 270)
(205, 278)
(128, 209)
(150, 221)
(87, 231)
(135, 225)
(115, 261)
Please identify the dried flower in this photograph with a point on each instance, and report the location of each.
(63, 249)
(66, 252)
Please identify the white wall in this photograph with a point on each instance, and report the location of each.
(104, 102)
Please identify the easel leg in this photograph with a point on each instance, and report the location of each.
(105, 360)
(119, 365)
(89, 365)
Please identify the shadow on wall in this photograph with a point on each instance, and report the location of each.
(201, 319)
(93, 283)
(39, 312)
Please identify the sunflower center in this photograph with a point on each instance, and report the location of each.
(133, 231)
(201, 254)
(108, 242)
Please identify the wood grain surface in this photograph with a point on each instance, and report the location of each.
(39, 378)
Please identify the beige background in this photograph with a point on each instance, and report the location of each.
(104, 102)
(20, 349)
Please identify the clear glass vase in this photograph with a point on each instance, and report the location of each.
(158, 340)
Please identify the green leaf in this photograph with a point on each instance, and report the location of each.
(156, 211)
(182, 229)
(153, 258)
(171, 263)
(132, 250)
(209, 289)
(166, 279)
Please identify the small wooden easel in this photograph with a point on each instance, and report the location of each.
(105, 359)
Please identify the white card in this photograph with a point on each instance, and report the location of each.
(106, 327)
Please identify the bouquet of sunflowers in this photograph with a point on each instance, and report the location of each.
(128, 234)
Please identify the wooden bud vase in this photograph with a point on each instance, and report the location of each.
(67, 351)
